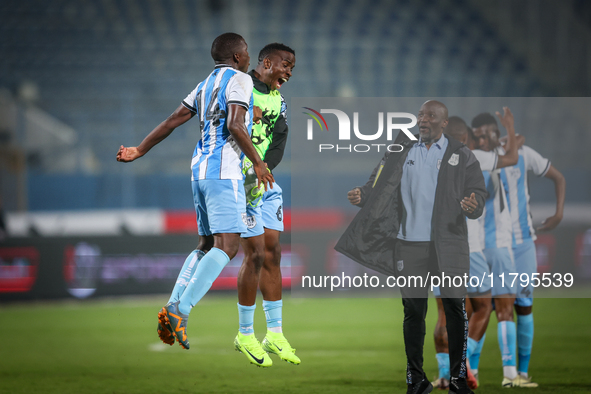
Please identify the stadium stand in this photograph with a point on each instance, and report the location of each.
(113, 69)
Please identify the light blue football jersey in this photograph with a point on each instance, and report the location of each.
(217, 155)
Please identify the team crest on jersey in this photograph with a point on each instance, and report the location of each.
(279, 213)
(250, 221)
(514, 171)
(400, 265)
(454, 159)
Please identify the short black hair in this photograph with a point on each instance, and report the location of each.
(225, 46)
(456, 127)
(482, 119)
(273, 47)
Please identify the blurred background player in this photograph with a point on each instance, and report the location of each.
(265, 212)
(480, 298)
(223, 103)
(497, 243)
(514, 180)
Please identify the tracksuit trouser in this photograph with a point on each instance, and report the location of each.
(419, 259)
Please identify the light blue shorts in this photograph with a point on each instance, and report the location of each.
(478, 266)
(479, 281)
(525, 263)
(220, 205)
(500, 261)
(267, 214)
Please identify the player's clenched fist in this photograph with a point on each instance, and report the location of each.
(354, 196)
(127, 154)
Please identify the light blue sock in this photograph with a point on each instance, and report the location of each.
(507, 336)
(443, 364)
(246, 319)
(525, 339)
(207, 271)
(273, 310)
(185, 275)
(472, 345)
(475, 357)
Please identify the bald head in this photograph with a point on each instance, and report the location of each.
(432, 120)
(438, 105)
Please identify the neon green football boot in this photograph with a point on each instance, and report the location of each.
(519, 381)
(277, 344)
(251, 348)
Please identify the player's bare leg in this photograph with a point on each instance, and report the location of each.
(481, 310)
(248, 276)
(248, 281)
(270, 283)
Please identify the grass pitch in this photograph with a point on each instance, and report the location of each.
(346, 346)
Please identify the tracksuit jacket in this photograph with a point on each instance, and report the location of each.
(370, 239)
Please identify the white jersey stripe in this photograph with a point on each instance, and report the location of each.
(213, 131)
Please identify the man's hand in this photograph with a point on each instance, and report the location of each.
(507, 119)
(354, 196)
(264, 176)
(549, 224)
(128, 154)
(469, 204)
(257, 114)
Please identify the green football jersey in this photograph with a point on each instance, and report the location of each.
(269, 136)
(271, 104)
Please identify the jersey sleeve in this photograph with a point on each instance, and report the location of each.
(189, 101)
(239, 90)
(276, 149)
(488, 160)
(535, 162)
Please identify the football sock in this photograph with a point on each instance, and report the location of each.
(207, 271)
(507, 336)
(273, 315)
(475, 357)
(185, 275)
(472, 345)
(443, 364)
(525, 339)
(246, 319)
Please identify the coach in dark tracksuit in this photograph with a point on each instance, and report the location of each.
(412, 222)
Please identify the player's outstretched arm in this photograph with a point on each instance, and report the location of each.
(511, 156)
(236, 127)
(180, 116)
(560, 189)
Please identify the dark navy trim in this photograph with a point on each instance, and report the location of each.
(241, 103)
(190, 108)
(547, 169)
